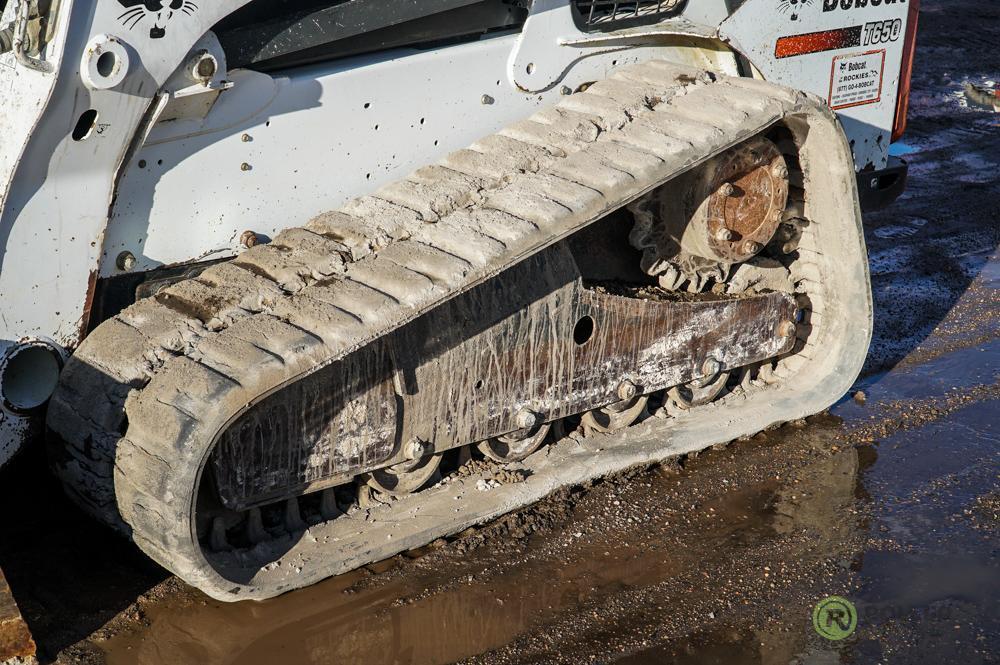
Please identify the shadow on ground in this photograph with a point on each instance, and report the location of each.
(69, 574)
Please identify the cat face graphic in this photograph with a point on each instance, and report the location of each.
(786, 6)
(155, 12)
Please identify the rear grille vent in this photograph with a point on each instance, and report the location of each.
(594, 15)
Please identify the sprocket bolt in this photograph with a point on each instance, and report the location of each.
(727, 189)
(751, 247)
(724, 235)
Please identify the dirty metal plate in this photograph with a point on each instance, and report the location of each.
(15, 638)
(330, 424)
(533, 338)
(570, 351)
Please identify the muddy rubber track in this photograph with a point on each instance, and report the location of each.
(142, 401)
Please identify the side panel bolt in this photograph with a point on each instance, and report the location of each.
(125, 261)
(246, 138)
(203, 67)
(248, 239)
(245, 167)
(486, 99)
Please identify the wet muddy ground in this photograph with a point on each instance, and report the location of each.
(891, 499)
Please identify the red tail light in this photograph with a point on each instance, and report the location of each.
(903, 94)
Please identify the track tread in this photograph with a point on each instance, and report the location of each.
(212, 345)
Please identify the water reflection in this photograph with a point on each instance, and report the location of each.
(334, 622)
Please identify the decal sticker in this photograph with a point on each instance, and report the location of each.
(882, 32)
(856, 79)
(832, 5)
(874, 32)
(792, 7)
(159, 13)
(816, 42)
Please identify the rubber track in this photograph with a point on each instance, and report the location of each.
(141, 401)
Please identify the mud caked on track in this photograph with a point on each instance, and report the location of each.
(235, 425)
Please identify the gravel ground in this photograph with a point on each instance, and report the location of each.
(890, 500)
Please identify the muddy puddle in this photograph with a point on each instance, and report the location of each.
(719, 559)
(648, 532)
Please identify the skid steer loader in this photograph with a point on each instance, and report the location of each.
(271, 270)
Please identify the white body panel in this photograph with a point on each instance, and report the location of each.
(757, 25)
(317, 137)
(173, 173)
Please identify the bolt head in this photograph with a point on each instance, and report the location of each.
(249, 239)
(787, 329)
(125, 261)
(203, 67)
(486, 99)
(711, 367)
(245, 167)
(724, 235)
(727, 189)
(627, 390)
(780, 171)
(565, 90)
(526, 418)
(751, 247)
(416, 449)
(246, 138)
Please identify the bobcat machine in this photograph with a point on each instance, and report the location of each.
(272, 270)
